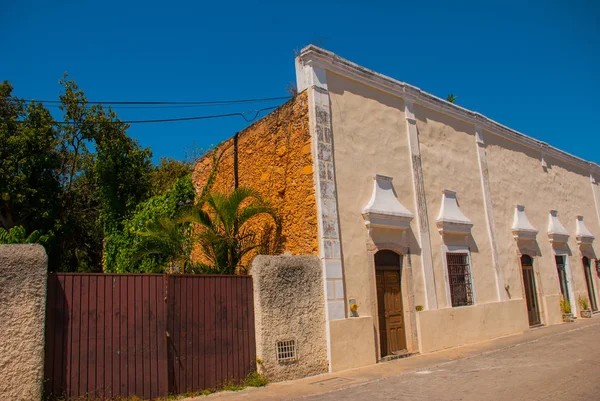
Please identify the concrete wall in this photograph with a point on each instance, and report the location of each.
(274, 158)
(451, 327)
(353, 343)
(459, 150)
(23, 273)
(289, 305)
(450, 162)
(518, 177)
(369, 131)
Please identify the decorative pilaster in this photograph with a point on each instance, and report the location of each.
(312, 78)
(489, 214)
(420, 206)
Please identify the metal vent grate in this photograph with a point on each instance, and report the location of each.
(286, 351)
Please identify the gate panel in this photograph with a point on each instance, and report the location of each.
(118, 335)
(210, 328)
(97, 325)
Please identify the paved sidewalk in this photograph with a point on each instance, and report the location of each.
(394, 379)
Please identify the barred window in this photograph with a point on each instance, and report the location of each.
(286, 351)
(459, 276)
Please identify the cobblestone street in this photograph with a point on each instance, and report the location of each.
(559, 367)
(560, 362)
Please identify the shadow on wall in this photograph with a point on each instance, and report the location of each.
(289, 308)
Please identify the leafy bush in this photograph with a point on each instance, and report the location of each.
(18, 235)
(121, 247)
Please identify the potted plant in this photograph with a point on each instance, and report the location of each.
(565, 306)
(584, 305)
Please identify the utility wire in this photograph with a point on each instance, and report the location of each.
(214, 102)
(167, 120)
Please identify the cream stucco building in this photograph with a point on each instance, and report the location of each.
(443, 226)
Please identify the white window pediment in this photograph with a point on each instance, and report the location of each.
(451, 219)
(582, 234)
(522, 229)
(557, 233)
(384, 210)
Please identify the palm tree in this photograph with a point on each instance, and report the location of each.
(227, 229)
(451, 98)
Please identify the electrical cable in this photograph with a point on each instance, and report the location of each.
(165, 120)
(195, 103)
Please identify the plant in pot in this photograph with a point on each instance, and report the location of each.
(584, 305)
(565, 306)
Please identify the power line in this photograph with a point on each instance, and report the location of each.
(167, 120)
(213, 102)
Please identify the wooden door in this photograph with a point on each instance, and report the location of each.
(389, 303)
(590, 284)
(533, 311)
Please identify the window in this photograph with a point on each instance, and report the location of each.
(286, 351)
(562, 276)
(459, 278)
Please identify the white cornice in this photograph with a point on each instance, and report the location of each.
(451, 220)
(324, 59)
(582, 234)
(384, 209)
(557, 233)
(522, 229)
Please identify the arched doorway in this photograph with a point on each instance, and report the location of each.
(533, 310)
(590, 283)
(388, 273)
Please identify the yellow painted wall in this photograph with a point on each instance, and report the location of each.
(274, 157)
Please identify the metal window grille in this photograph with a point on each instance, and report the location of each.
(562, 275)
(461, 291)
(286, 351)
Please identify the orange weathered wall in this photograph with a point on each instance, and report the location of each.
(274, 157)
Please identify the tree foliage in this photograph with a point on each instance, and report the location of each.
(166, 173)
(74, 182)
(124, 250)
(29, 185)
(226, 234)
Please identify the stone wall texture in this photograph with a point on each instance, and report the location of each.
(274, 157)
(289, 305)
(23, 274)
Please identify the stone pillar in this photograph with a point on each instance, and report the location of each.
(23, 274)
(314, 79)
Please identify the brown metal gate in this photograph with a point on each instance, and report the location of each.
(110, 335)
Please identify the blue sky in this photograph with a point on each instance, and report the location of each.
(533, 66)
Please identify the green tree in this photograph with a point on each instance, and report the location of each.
(166, 173)
(29, 185)
(121, 171)
(73, 182)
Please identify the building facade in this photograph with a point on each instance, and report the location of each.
(441, 226)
